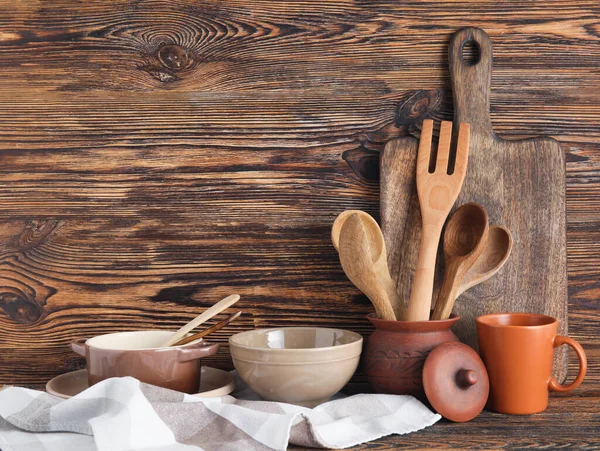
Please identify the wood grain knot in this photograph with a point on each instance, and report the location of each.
(36, 232)
(178, 295)
(173, 57)
(422, 105)
(168, 63)
(364, 162)
(18, 307)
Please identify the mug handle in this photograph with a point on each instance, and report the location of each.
(553, 384)
(197, 351)
(79, 346)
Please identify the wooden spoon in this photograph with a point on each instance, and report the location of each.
(465, 238)
(357, 256)
(378, 254)
(494, 255)
(208, 331)
(369, 221)
(204, 316)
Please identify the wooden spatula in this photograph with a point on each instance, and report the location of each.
(437, 192)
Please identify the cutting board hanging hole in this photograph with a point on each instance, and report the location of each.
(471, 52)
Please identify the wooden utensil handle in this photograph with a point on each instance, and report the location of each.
(382, 304)
(383, 309)
(208, 331)
(223, 304)
(471, 80)
(419, 305)
(448, 294)
(397, 303)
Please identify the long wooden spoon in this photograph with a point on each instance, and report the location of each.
(210, 330)
(357, 255)
(378, 255)
(465, 238)
(204, 316)
(494, 255)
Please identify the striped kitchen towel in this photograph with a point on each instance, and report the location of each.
(125, 414)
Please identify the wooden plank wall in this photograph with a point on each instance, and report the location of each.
(158, 155)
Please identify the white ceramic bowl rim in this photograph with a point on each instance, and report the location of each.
(138, 340)
(354, 337)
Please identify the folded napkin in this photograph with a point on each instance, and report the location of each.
(125, 414)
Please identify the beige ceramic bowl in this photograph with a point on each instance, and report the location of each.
(297, 365)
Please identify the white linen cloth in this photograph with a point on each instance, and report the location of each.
(124, 414)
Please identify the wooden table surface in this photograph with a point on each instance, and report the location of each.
(159, 155)
(568, 423)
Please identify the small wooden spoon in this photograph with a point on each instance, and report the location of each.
(494, 255)
(210, 330)
(204, 316)
(357, 256)
(465, 238)
(378, 254)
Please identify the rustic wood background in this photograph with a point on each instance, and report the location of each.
(158, 155)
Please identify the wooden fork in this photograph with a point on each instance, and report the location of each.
(437, 192)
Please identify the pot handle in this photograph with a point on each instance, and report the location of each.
(79, 346)
(197, 351)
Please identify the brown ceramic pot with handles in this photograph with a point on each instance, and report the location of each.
(139, 354)
(517, 349)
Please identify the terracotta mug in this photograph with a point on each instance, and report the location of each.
(140, 355)
(518, 349)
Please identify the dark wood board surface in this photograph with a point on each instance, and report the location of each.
(520, 183)
(159, 155)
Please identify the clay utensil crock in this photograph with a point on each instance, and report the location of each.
(208, 331)
(378, 254)
(223, 304)
(437, 190)
(495, 254)
(297, 365)
(518, 349)
(465, 238)
(396, 351)
(357, 256)
(141, 355)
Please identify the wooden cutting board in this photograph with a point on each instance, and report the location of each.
(521, 183)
